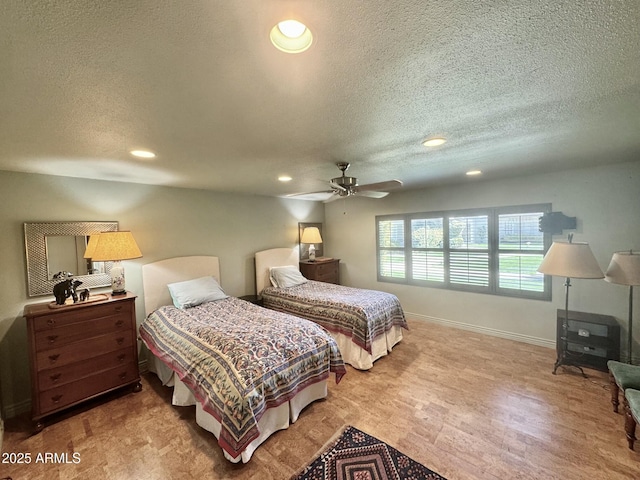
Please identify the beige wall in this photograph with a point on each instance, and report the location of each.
(170, 222)
(606, 202)
(166, 222)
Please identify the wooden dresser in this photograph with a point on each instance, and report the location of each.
(321, 270)
(80, 351)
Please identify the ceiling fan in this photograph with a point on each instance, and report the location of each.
(344, 186)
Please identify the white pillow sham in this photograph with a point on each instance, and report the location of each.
(194, 292)
(287, 276)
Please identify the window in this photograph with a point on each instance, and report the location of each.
(490, 250)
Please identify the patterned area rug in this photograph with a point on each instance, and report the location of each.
(356, 455)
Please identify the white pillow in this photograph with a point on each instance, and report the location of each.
(289, 276)
(194, 292)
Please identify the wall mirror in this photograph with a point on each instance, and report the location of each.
(59, 247)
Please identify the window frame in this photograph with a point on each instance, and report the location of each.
(493, 250)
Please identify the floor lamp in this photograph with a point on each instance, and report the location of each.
(569, 260)
(624, 269)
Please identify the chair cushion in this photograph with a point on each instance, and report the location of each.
(626, 375)
(633, 399)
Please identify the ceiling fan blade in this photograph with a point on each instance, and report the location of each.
(371, 194)
(380, 186)
(312, 196)
(333, 198)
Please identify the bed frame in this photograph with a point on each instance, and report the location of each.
(352, 354)
(155, 277)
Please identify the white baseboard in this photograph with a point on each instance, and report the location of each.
(542, 342)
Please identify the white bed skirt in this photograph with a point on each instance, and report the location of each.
(361, 359)
(273, 419)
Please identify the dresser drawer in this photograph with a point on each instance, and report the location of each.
(58, 376)
(65, 334)
(65, 395)
(72, 315)
(83, 351)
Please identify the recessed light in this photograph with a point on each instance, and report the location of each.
(434, 142)
(474, 172)
(143, 154)
(291, 36)
(285, 178)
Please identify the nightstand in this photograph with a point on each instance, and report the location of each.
(255, 299)
(321, 270)
(80, 351)
(592, 339)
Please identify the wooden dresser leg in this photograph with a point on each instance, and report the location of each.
(614, 392)
(137, 387)
(629, 425)
(37, 427)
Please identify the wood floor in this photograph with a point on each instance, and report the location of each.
(466, 405)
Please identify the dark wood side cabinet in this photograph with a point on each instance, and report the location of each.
(80, 351)
(321, 270)
(255, 299)
(592, 339)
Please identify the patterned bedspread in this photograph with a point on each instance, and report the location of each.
(240, 359)
(361, 314)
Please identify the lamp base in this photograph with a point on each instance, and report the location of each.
(115, 294)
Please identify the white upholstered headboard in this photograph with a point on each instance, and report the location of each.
(156, 276)
(275, 257)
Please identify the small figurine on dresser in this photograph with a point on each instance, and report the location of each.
(65, 289)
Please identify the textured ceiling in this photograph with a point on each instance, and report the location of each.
(516, 86)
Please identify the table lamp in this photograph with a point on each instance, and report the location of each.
(311, 235)
(114, 247)
(569, 260)
(624, 269)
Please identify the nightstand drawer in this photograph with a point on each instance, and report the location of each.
(321, 270)
(65, 395)
(83, 351)
(56, 377)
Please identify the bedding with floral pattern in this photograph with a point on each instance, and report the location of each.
(358, 313)
(240, 359)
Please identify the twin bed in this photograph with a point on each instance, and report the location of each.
(249, 371)
(366, 324)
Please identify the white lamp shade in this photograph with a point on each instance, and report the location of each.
(112, 246)
(311, 235)
(624, 269)
(572, 260)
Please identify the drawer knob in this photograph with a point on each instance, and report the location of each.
(51, 322)
(55, 378)
(53, 358)
(56, 398)
(121, 357)
(119, 323)
(118, 308)
(120, 340)
(52, 338)
(123, 375)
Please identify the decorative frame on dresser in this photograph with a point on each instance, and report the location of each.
(80, 351)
